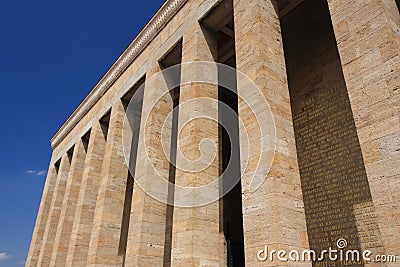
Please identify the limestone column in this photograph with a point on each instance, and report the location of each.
(83, 219)
(68, 208)
(147, 227)
(107, 222)
(54, 212)
(367, 35)
(196, 236)
(273, 215)
(42, 217)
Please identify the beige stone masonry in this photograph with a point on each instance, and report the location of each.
(147, 225)
(274, 214)
(54, 212)
(82, 208)
(106, 231)
(42, 217)
(83, 219)
(196, 236)
(368, 38)
(68, 208)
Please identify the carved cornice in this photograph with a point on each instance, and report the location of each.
(152, 28)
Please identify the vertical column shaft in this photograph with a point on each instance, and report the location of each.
(196, 236)
(64, 229)
(107, 223)
(42, 217)
(83, 220)
(367, 35)
(148, 216)
(54, 213)
(274, 213)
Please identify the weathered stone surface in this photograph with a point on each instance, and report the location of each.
(42, 217)
(68, 208)
(147, 225)
(367, 34)
(196, 236)
(277, 206)
(83, 219)
(107, 222)
(54, 212)
(79, 222)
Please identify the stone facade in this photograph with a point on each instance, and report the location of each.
(321, 133)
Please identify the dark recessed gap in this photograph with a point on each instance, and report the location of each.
(123, 241)
(85, 140)
(126, 99)
(220, 21)
(105, 123)
(70, 154)
(172, 77)
(57, 165)
(219, 17)
(287, 6)
(132, 102)
(172, 57)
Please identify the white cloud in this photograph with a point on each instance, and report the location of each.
(40, 173)
(4, 256)
(34, 172)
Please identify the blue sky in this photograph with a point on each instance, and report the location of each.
(52, 53)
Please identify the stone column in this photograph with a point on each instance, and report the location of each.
(54, 212)
(273, 215)
(107, 223)
(83, 219)
(68, 208)
(147, 225)
(367, 35)
(42, 217)
(196, 236)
